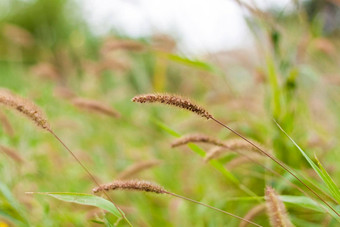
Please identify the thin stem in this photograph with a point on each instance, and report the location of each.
(88, 173)
(275, 160)
(279, 175)
(214, 208)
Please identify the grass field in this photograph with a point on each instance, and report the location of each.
(84, 84)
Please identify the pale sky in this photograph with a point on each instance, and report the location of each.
(199, 25)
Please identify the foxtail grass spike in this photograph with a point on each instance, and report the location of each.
(196, 138)
(145, 186)
(276, 209)
(173, 100)
(95, 106)
(24, 106)
(187, 104)
(136, 168)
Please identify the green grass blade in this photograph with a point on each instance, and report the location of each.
(10, 208)
(334, 190)
(329, 181)
(306, 202)
(84, 199)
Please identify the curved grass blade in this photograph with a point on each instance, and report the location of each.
(83, 199)
(332, 187)
(10, 208)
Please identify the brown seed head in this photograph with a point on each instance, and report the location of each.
(196, 138)
(134, 185)
(95, 106)
(173, 100)
(136, 168)
(276, 210)
(24, 106)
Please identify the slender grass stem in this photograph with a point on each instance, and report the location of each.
(214, 208)
(89, 174)
(277, 161)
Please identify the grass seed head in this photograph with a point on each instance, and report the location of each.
(276, 210)
(93, 105)
(173, 100)
(136, 168)
(24, 106)
(196, 138)
(134, 185)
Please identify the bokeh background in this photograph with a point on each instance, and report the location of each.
(247, 62)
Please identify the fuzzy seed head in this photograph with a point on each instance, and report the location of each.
(196, 138)
(134, 185)
(173, 100)
(93, 105)
(24, 106)
(276, 209)
(136, 168)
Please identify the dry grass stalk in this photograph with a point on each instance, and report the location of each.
(196, 138)
(276, 210)
(145, 186)
(93, 105)
(6, 124)
(134, 185)
(24, 106)
(12, 153)
(244, 160)
(136, 168)
(252, 213)
(173, 100)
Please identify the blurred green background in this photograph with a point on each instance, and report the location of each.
(49, 54)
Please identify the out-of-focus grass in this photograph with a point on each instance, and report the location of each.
(294, 80)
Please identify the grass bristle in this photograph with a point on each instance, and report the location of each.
(24, 106)
(134, 185)
(136, 168)
(95, 106)
(173, 100)
(196, 138)
(276, 210)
